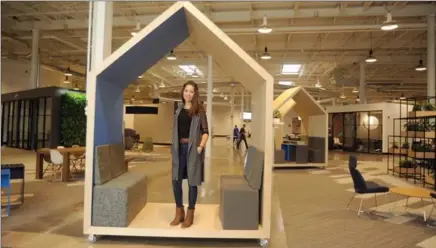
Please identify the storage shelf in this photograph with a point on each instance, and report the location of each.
(422, 114)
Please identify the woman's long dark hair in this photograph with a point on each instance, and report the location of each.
(196, 106)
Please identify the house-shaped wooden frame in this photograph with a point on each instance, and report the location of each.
(152, 43)
(314, 151)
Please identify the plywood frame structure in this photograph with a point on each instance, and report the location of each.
(304, 105)
(152, 43)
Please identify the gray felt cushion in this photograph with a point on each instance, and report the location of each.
(117, 202)
(253, 171)
(117, 159)
(239, 204)
(102, 172)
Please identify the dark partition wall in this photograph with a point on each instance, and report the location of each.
(30, 119)
(358, 131)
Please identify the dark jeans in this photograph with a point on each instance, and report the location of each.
(242, 139)
(177, 184)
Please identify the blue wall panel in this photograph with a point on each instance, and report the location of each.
(109, 110)
(147, 52)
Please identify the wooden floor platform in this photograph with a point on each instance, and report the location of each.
(154, 221)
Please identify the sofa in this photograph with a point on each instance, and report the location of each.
(240, 196)
(118, 195)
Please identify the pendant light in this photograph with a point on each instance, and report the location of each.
(137, 29)
(66, 81)
(318, 84)
(171, 56)
(370, 58)
(421, 66)
(402, 97)
(264, 29)
(389, 24)
(265, 54)
(68, 72)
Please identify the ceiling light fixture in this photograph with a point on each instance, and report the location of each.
(137, 29)
(161, 85)
(355, 90)
(68, 72)
(318, 84)
(226, 98)
(265, 54)
(286, 83)
(137, 89)
(402, 97)
(190, 70)
(66, 81)
(291, 69)
(264, 29)
(171, 56)
(421, 66)
(343, 96)
(370, 58)
(389, 24)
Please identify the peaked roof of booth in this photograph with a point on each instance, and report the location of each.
(299, 100)
(167, 31)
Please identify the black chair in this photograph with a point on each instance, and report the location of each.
(361, 186)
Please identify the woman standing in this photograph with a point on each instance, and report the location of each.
(190, 134)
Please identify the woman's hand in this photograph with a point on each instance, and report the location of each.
(199, 149)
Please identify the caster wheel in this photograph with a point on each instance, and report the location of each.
(92, 238)
(264, 243)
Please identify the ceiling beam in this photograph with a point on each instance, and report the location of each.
(240, 16)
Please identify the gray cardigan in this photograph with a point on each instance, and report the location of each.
(195, 160)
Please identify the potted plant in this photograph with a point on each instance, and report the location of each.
(429, 107)
(405, 145)
(277, 116)
(407, 164)
(417, 107)
(395, 145)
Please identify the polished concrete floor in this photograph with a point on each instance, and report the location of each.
(308, 206)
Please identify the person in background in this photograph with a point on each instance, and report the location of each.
(235, 135)
(242, 136)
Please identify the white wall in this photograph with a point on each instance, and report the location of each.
(390, 111)
(15, 76)
(159, 127)
(221, 120)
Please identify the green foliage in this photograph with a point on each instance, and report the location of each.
(73, 119)
(416, 107)
(277, 114)
(429, 107)
(406, 164)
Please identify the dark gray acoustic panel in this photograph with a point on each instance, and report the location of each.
(147, 52)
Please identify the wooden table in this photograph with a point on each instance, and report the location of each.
(413, 192)
(66, 152)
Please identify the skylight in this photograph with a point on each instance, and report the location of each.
(286, 83)
(291, 69)
(191, 69)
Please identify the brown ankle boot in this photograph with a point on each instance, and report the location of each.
(180, 216)
(189, 219)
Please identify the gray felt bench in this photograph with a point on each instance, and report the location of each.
(240, 196)
(118, 195)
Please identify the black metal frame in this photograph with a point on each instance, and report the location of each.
(354, 146)
(423, 166)
(30, 100)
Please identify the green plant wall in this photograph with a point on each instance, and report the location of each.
(73, 119)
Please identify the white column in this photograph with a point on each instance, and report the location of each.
(232, 112)
(208, 152)
(34, 64)
(100, 42)
(431, 56)
(362, 89)
(242, 107)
